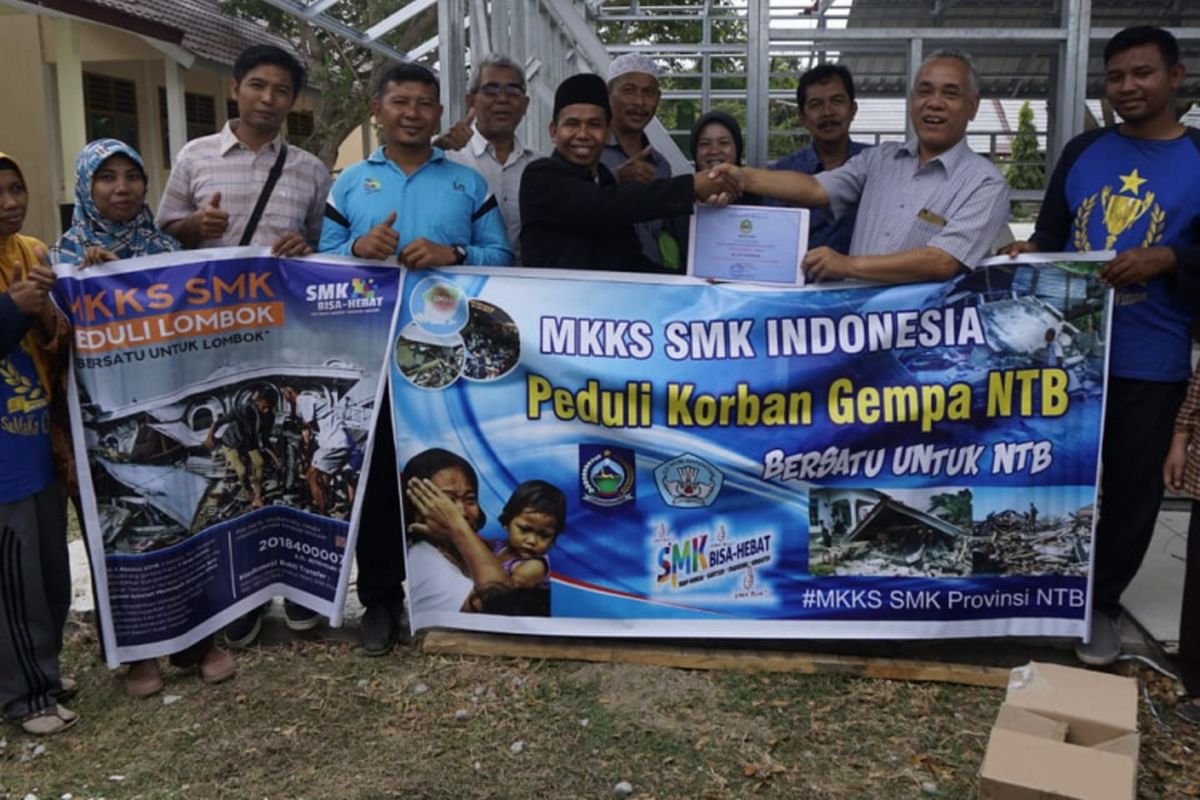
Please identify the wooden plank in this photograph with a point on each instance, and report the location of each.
(452, 642)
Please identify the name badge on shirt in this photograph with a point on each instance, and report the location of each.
(932, 218)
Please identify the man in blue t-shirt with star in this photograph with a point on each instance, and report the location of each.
(1131, 188)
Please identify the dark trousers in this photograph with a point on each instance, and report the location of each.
(1189, 621)
(35, 596)
(1139, 421)
(380, 550)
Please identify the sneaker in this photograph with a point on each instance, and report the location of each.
(378, 630)
(244, 630)
(299, 618)
(1105, 645)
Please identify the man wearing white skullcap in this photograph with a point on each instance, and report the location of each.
(633, 95)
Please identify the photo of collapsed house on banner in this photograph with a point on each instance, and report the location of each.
(221, 416)
(621, 457)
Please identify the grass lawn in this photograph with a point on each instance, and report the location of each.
(316, 719)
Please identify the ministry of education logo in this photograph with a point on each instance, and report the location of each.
(746, 226)
(688, 481)
(607, 475)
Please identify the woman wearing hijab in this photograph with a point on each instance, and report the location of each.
(111, 218)
(35, 580)
(111, 222)
(717, 139)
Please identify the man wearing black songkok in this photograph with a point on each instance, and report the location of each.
(574, 213)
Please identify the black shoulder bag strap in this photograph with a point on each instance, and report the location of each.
(268, 187)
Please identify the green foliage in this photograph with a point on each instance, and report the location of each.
(954, 508)
(1027, 170)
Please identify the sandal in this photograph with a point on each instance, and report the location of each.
(1189, 710)
(48, 722)
(67, 691)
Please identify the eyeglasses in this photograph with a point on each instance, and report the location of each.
(496, 89)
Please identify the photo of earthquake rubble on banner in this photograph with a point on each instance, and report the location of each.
(224, 406)
(727, 460)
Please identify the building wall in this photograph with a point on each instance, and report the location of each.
(29, 128)
(24, 127)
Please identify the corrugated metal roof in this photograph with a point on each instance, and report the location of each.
(1008, 69)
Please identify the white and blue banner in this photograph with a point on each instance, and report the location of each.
(683, 459)
(223, 408)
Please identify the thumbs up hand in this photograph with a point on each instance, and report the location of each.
(638, 169)
(457, 137)
(213, 220)
(380, 242)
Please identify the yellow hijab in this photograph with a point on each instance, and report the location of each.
(17, 258)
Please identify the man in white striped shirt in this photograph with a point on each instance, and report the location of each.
(215, 184)
(927, 208)
(216, 180)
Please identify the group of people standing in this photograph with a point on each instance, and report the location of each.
(605, 199)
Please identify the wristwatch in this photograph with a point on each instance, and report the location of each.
(460, 254)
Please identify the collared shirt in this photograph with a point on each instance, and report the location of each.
(441, 201)
(824, 230)
(223, 163)
(956, 202)
(503, 179)
(647, 232)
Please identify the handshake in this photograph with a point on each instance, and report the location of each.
(720, 185)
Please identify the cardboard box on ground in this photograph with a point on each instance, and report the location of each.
(1063, 734)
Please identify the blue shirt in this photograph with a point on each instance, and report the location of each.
(823, 228)
(26, 465)
(1113, 192)
(441, 201)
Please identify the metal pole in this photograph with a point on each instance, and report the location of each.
(758, 82)
(1072, 94)
(706, 60)
(452, 59)
(916, 53)
(481, 38)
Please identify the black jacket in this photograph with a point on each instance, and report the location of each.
(13, 325)
(572, 219)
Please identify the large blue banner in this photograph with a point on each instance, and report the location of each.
(223, 409)
(682, 459)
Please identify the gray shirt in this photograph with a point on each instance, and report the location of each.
(956, 202)
(503, 179)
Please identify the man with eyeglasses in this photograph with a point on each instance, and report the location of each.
(487, 139)
(633, 95)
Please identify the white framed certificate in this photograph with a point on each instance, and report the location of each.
(751, 244)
